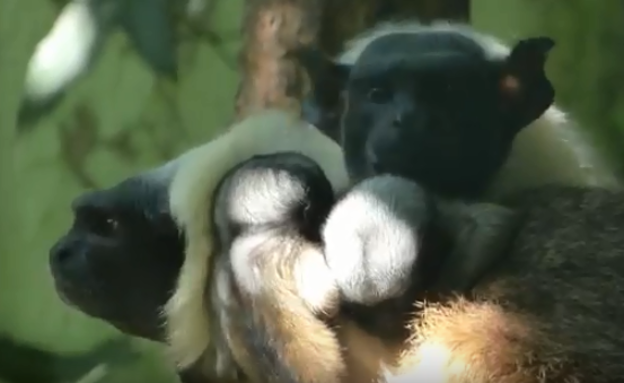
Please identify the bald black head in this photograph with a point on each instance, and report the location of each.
(434, 106)
(120, 259)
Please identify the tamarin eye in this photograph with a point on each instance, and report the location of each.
(379, 95)
(105, 226)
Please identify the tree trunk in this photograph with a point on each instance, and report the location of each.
(272, 28)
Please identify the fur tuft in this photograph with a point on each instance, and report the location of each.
(191, 192)
(550, 151)
(478, 342)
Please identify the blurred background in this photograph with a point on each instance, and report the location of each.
(123, 118)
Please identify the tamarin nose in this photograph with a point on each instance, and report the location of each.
(406, 114)
(408, 118)
(59, 253)
(398, 120)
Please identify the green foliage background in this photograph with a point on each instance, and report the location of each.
(121, 119)
(586, 64)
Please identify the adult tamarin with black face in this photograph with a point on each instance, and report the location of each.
(175, 199)
(437, 106)
(388, 108)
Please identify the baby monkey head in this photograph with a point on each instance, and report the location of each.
(434, 106)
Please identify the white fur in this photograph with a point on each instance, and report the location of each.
(431, 366)
(372, 238)
(194, 184)
(551, 150)
(272, 198)
(246, 272)
(315, 283)
(163, 174)
(382, 265)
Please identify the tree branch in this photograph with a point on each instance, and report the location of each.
(272, 28)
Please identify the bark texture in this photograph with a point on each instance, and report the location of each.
(273, 28)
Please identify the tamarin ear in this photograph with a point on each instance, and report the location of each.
(328, 78)
(525, 90)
